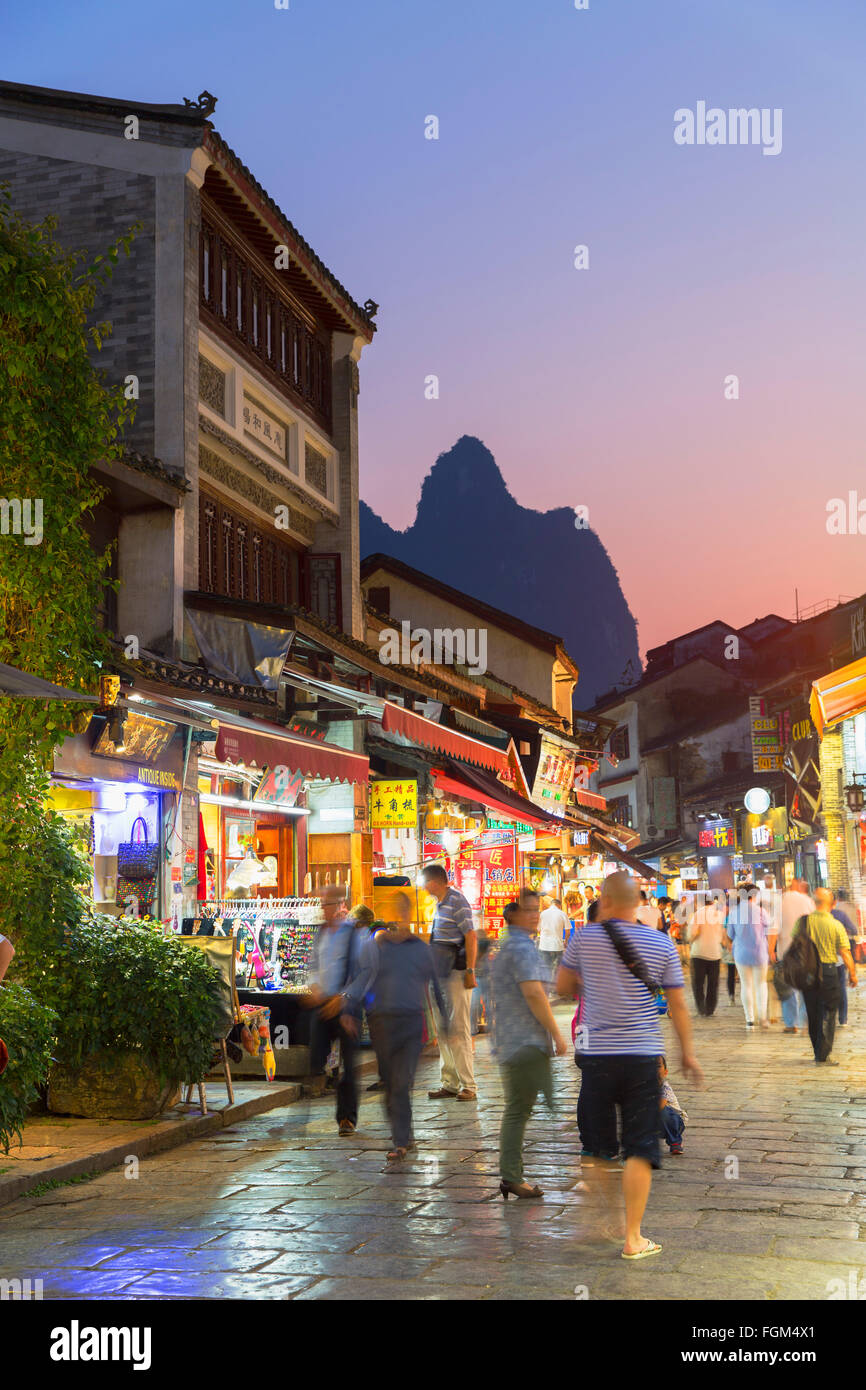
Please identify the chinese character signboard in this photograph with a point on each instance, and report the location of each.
(766, 739)
(393, 805)
(858, 633)
(264, 427)
(554, 775)
(716, 837)
(487, 875)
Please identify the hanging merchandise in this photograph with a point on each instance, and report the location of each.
(136, 859)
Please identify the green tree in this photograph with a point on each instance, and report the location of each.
(58, 418)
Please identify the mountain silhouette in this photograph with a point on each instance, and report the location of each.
(469, 532)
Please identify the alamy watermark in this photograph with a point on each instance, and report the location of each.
(441, 646)
(736, 126)
(22, 516)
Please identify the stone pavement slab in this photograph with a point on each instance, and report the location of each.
(768, 1201)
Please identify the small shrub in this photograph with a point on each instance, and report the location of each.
(27, 1028)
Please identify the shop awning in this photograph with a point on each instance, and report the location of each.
(474, 785)
(611, 849)
(19, 684)
(584, 798)
(839, 695)
(404, 723)
(253, 743)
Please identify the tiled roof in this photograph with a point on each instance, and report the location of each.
(143, 463)
(214, 139)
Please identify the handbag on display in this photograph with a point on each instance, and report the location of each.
(136, 859)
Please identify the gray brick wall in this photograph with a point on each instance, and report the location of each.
(93, 207)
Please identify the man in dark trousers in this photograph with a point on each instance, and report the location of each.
(619, 965)
(397, 968)
(822, 999)
(335, 962)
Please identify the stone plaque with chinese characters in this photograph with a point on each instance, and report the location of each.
(393, 804)
(264, 428)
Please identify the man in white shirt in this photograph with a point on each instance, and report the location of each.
(648, 913)
(795, 903)
(553, 926)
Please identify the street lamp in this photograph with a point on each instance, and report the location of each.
(855, 795)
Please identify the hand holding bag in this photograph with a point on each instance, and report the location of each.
(136, 859)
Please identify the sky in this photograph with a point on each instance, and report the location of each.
(602, 387)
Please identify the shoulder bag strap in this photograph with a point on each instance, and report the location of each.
(630, 959)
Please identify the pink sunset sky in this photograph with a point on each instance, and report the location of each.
(602, 387)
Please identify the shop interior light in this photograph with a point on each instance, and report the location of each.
(266, 807)
(251, 873)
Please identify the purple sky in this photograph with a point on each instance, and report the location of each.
(601, 387)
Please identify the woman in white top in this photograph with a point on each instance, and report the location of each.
(7, 951)
(708, 937)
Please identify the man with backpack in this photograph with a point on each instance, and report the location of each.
(814, 971)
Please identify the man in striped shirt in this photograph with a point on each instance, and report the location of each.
(618, 966)
(455, 946)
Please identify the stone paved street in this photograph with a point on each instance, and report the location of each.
(280, 1207)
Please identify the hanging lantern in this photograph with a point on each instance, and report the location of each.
(855, 795)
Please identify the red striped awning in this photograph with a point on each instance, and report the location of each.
(260, 746)
(417, 729)
(496, 797)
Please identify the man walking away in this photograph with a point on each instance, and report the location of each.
(822, 998)
(454, 949)
(397, 967)
(552, 929)
(795, 903)
(335, 962)
(840, 912)
(525, 1030)
(619, 965)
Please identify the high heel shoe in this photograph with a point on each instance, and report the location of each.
(507, 1188)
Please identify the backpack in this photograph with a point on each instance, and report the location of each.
(801, 968)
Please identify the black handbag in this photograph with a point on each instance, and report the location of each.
(136, 859)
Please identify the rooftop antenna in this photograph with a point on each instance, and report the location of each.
(796, 607)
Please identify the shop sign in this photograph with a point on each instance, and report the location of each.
(858, 632)
(518, 826)
(155, 762)
(554, 776)
(717, 837)
(801, 763)
(393, 804)
(264, 427)
(280, 787)
(487, 876)
(580, 839)
(766, 737)
(763, 835)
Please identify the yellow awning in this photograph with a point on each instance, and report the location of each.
(839, 695)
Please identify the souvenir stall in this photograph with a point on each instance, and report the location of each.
(275, 939)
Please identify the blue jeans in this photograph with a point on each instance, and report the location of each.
(672, 1125)
(794, 1010)
(843, 994)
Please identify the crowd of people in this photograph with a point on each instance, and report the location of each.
(625, 965)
